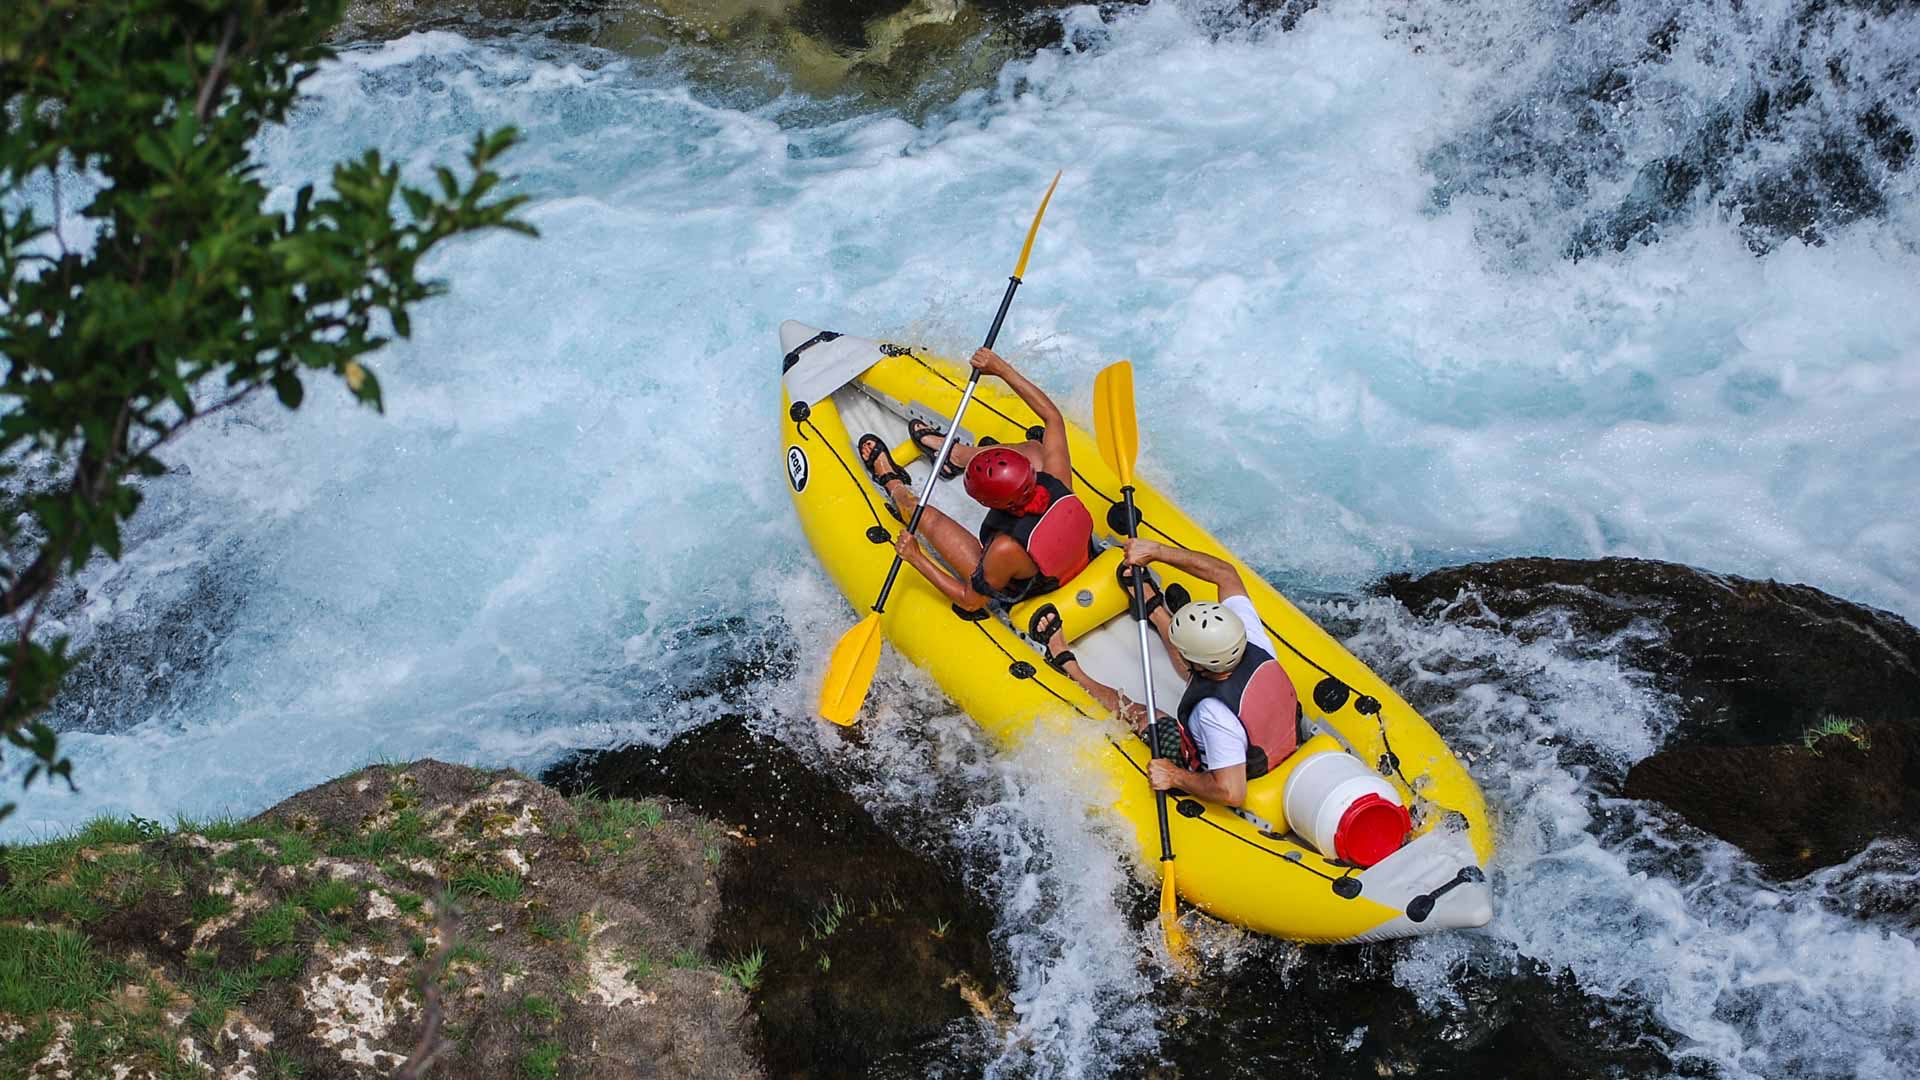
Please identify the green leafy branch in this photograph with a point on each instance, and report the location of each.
(192, 296)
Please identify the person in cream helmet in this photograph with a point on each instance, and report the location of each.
(1240, 714)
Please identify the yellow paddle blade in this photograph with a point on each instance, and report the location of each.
(850, 671)
(1113, 419)
(1020, 269)
(1177, 946)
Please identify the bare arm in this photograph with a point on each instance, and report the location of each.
(1053, 444)
(955, 590)
(1227, 786)
(1218, 572)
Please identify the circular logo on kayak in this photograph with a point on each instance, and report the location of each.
(797, 469)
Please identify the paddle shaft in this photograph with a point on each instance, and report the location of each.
(946, 446)
(1146, 670)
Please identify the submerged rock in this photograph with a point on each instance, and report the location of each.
(1342, 1013)
(561, 937)
(1799, 730)
(872, 953)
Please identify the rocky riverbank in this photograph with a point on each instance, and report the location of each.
(738, 916)
(876, 959)
(475, 916)
(897, 51)
(1798, 713)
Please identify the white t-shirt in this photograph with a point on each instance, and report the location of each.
(1221, 737)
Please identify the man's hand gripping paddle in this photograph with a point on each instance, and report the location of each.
(850, 668)
(1119, 437)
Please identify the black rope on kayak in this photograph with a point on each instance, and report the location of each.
(858, 485)
(1368, 705)
(1034, 679)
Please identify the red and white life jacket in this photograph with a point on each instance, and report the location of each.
(1261, 697)
(1058, 538)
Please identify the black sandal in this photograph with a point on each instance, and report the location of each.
(920, 431)
(1125, 572)
(1045, 625)
(870, 447)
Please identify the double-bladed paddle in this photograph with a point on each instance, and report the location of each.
(850, 668)
(1115, 429)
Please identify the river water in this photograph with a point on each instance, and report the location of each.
(1406, 285)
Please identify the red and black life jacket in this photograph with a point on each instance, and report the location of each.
(1059, 540)
(1261, 697)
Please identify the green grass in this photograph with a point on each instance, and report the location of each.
(502, 885)
(209, 905)
(19, 1054)
(282, 965)
(274, 926)
(406, 838)
(1847, 727)
(639, 966)
(539, 1007)
(685, 958)
(329, 896)
(219, 993)
(112, 830)
(463, 953)
(226, 829)
(828, 917)
(612, 826)
(296, 849)
(542, 1062)
(745, 969)
(411, 903)
(46, 968)
(248, 857)
(280, 1066)
(71, 880)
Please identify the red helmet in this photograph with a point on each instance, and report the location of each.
(1000, 478)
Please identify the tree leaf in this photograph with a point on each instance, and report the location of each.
(287, 385)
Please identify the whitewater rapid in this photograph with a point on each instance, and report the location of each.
(1362, 346)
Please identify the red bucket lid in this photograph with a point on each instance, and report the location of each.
(1371, 829)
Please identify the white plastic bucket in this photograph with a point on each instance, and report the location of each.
(1333, 788)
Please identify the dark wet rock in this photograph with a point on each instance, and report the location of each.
(1797, 807)
(872, 952)
(1751, 662)
(1338, 1013)
(1755, 668)
(301, 942)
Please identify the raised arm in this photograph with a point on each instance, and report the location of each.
(1053, 444)
(1218, 572)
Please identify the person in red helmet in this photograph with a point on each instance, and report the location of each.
(1037, 533)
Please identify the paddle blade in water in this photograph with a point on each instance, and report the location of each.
(1177, 947)
(1113, 419)
(850, 671)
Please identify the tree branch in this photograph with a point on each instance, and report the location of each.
(431, 1045)
(217, 74)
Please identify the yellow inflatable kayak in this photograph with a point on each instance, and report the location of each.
(1247, 866)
